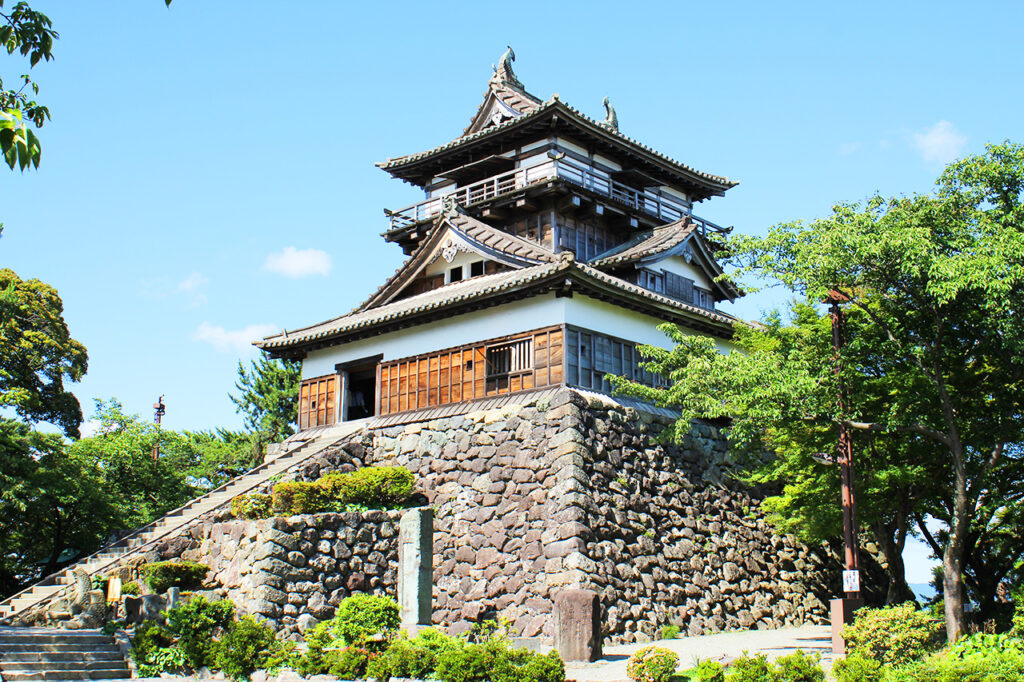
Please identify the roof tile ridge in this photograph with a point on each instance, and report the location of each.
(647, 293)
(549, 255)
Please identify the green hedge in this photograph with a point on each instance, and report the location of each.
(367, 488)
(252, 506)
(161, 575)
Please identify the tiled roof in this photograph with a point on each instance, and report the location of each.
(497, 239)
(556, 104)
(475, 231)
(481, 288)
(509, 95)
(647, 244)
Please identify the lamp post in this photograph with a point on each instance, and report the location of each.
(843, 608)
(159, 411)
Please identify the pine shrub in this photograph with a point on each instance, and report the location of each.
(196, 623)
(246, 648)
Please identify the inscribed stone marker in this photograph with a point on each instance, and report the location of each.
(578, 625)
(416, 568)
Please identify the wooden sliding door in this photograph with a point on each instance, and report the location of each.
(317, 399)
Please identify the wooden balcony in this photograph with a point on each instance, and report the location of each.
(665, 208)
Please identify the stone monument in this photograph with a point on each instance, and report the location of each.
(578, 625)
(416, 569)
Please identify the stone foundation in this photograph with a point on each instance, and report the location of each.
(575, 491)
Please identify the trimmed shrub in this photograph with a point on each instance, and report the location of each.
(362, 615)
(856, 668)
(416, 657)
(652, 664)
(708, 671)
(994, 666)
(297, 497)
(470, 663)
(669, 632)
(893, 635)
(349, 663)
(161, 575)
(374, 487)
(798, 667)
(524, 666)
(196, 623)
(252, 506)
(748, 668)
(245, 648)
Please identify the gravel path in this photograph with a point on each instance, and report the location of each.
(726, 645)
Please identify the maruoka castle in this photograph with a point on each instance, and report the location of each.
(547, 247)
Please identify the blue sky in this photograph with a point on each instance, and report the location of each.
(202, 156)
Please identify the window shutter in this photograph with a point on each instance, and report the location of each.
(678, 287)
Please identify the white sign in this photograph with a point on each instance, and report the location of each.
(851, 581)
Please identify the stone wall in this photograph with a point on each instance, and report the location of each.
(293, 571)
(574, 491)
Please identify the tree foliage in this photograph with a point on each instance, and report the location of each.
(268, 392)
(936, 352)
(37, 354)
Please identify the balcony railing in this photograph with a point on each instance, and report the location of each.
(663, 207)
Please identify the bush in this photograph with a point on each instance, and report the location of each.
(252, 506)
(297, 497)
(169, 659)
(708, 671)
(149, 636)
(893, 635)
(669, 631)
(798, 667)
(416, 657)
(349, 663)
(376, 487)
(362, 615)
(196, 623)
(856, 668)
(525, 666)
(991, 667)
(652, 664)
(750, 669)
(131, 588)
(161, 575)
(470, 663)
(245, 648)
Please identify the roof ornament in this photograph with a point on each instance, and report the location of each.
(503, 73)
(448, 204)
(611, 121)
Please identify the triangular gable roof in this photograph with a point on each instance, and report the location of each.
(667, 240)
(502, 102)
(564, 274)
(456, 230)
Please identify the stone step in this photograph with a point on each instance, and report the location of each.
(54, 649)
(27, 675)
(57, 639)
(6, 666)
(81, 653)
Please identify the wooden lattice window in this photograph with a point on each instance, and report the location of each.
(316, 402)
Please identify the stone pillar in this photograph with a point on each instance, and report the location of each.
(416, 568)
(578, 625)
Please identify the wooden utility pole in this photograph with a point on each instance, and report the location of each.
(159, 411)
(842, 609)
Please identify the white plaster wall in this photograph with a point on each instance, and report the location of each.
(534, 159)
(607, 162)
(463, 258)
(535, 145)
(569, 144)
(510, 318)
(598, 316)
(679, 266)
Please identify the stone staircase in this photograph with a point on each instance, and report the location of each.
(48, 654)
(291, 452)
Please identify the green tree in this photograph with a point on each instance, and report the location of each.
(54, 505)
(938, 280)
(268, 396)
(37, 354)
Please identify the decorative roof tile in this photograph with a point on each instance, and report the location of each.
(481, 288)
(647, 244)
